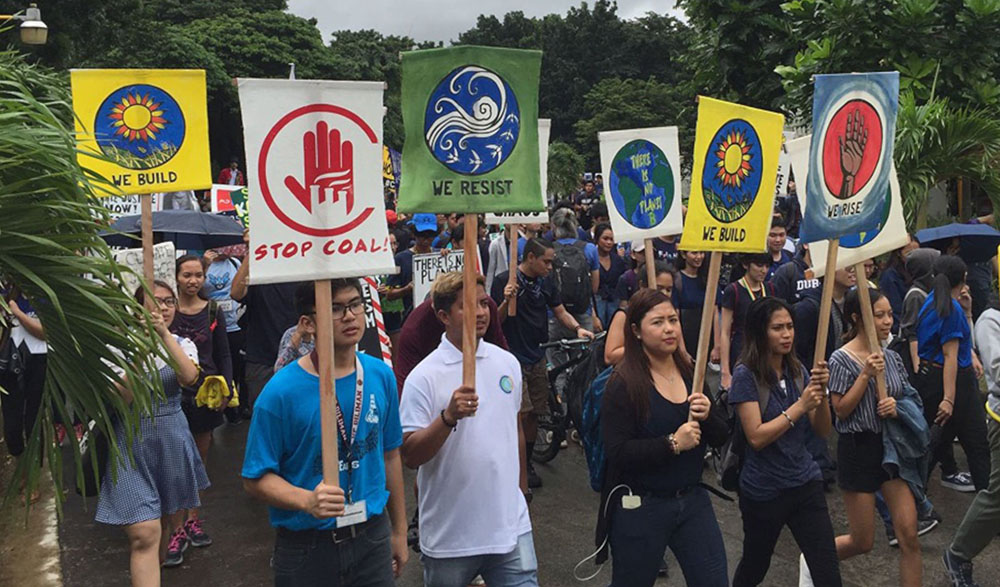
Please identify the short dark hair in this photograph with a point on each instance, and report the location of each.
(599, 210)
(756, 258)
(659, 268)
(778, 221)
(346, 283)
(458, 233)
(537, 247)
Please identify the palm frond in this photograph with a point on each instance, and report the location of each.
(50, 251)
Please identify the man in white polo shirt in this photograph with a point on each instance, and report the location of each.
(471, 479)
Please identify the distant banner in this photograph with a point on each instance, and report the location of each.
(427, 266)
(850, 158)
(164, 265)
(643, 172)
(375, 341)
(471, 120)
(119, 206)
(232, 200)
(145, 130)
(516, 218)
(889, 234)
(784, 166)
(315, 149)
(736, 152)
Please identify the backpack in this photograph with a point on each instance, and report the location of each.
(733, 453)
(573, 276)
(590, 429)
(579, 380)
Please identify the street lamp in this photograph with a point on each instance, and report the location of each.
(33, 30)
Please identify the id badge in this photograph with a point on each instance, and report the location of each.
(354, 513)
(226, 305)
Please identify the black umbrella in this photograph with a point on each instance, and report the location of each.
(976, 242)
(187, 229)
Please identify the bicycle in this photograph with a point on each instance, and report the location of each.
(552, 427)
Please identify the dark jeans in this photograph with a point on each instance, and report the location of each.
(256, 376)
(803, 510)
(686, 524)
(22, 402)
(967, 422)
(363, 561)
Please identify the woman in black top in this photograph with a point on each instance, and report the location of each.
(655, 455)
(612, 267)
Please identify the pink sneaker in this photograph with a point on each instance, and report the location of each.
(179, 542)
(196, 534)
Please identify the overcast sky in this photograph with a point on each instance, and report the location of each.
(440, 20)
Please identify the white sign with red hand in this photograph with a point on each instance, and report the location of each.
(314, 165)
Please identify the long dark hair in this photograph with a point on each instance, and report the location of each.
(702, 269)
(852, 308)
(634, 367)
(599, 230)
(949, 272)
(756, 347)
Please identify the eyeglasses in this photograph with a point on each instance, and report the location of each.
(357, 307)
(167, 302)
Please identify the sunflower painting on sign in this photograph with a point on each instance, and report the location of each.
(643, 171)
(145, 130)
(471, 120)
(850, 157)
(736, 151)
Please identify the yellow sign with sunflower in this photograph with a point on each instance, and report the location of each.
(735, 167)
(144, 130)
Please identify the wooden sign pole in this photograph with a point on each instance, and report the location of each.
(650, 264)
(826, 302)
(512, 266)
(868, 317)
(327, 397)
(146, 224)
(705, 329)
(469, 300)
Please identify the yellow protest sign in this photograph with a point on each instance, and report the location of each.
(736, 151)
(145, 130)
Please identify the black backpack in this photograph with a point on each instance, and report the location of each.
(733, 453)
(573, 276)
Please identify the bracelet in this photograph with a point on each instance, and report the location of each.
(673, 444)
(451, 425)
(789, 418)
(944, 399)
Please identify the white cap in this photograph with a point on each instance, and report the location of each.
(638, 245)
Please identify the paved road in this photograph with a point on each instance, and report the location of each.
(563, 515)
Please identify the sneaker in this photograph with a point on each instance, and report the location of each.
(959, 570)
(196, 534)
(926, 524)
(959, 482)
(805, 577)
(534, 481)
(478, 581)
(179, 542)
(664, 570)
(891, 535)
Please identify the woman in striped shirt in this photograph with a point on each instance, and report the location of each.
(854, 395)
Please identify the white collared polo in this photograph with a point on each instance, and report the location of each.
(470, 499)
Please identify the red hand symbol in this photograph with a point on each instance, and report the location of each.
(328, 169)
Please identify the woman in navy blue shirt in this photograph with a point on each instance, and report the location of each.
(690, 295)
(780, 484)
(612, 267)
(655, 430)
(946, 380)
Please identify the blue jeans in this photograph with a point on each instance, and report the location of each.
(605, 310)
(363, 561)
(518, 568)
(686, 524)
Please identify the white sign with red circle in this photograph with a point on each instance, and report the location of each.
(314, 170)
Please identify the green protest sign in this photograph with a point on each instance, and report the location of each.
(471, 120)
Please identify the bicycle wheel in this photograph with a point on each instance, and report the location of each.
(551, 433)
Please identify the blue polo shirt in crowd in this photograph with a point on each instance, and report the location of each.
(285, 435)
(786, 462)
(933, 331)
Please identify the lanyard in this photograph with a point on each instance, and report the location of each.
(763, 290)
(359, 393)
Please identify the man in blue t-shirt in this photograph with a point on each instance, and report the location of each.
(326, 532)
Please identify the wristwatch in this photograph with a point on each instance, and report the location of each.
(673, 444)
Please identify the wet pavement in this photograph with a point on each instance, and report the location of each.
(563, 516)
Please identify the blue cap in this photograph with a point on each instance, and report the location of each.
(425, 222)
